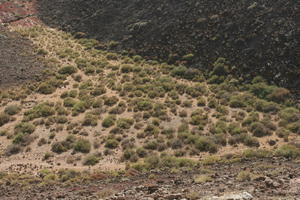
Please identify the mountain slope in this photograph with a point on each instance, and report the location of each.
(102, 109)
(258, 37)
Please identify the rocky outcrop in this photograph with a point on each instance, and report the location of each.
(259, 37)
(18, 62)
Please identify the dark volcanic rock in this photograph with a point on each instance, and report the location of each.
(18, 62)
(259, 37)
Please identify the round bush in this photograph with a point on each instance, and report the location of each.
(4, 118)
(12, 109)
(67, 70)
(82, 145)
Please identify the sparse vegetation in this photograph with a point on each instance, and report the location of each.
(4, 118)
(141, 112)
(67, 70)
(108, 121)
(82, 145)
(12, 109)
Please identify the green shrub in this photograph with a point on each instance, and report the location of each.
(12, 109)
(61, 110)
(90, 120)
(283, 133)
(173, 162)
(259, 130)
(244, 176)
(110, 101)
(42, 142)
(193, 92)
(144, 105)
(248, 140)
(220, 67)
(290, 114)
(89, 70)
(61, 119)
(126, 68)
(206, 144)
(214, 79)
(288, 151)
(112, 56)
(3, 133)
(82, 145)
(261, 89)
(237, 102)
(265, 106)
(279, 95)
(13, 149)
(137, 58)
(58, 147)
(67, 70)
(141, 152)
(89, 44)
(184, 127)
(256, 153)
(267, 122)
(124, 123)
(111, 143)
(151, 130)
(63, 146)
(129, 154)
(183, 72)
(151, 145)
(220, 139)
(201, 101)
(40, 110)
(235, 129)
(252, 117)
(108, 121)
(25, 128)
(200, 179)
(97, 103)
(4, 119)
(294, 127)
(79, 107)
(86, 85)
(188, 57)
(46, 88)
(64, 95)
(91, 160)
(69, 102)
(67, 175)
(22, 139)
(73, 93)
(98, 91)
(212, 103)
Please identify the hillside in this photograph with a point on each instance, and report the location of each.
(82, 118)
(101, 111)
(258, 37)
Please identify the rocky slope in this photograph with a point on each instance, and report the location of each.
(258, 37)
(18, 62)
(266, 179)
